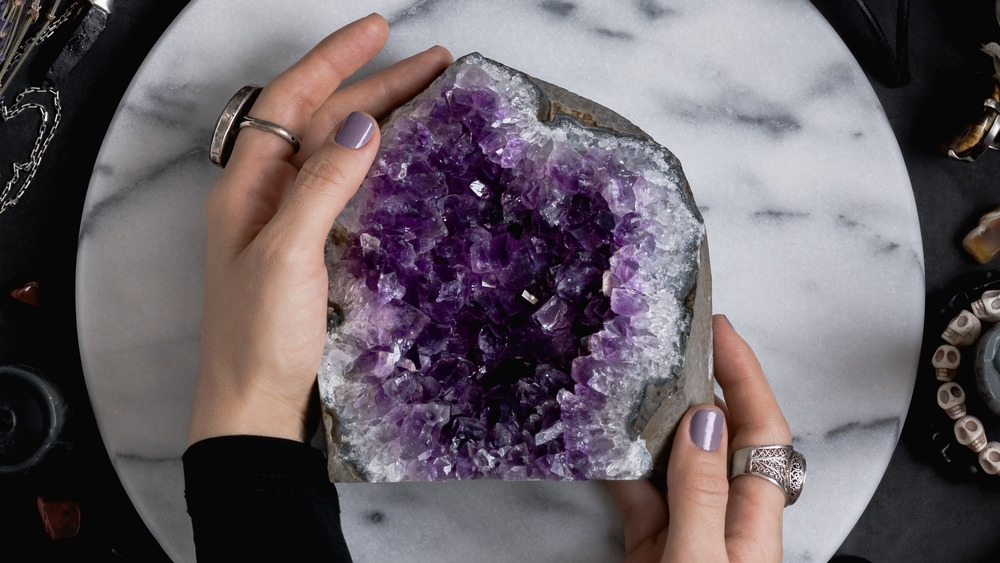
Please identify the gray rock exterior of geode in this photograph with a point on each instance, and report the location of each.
(667, 396)
(695, 383)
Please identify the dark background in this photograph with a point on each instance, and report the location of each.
(933, 503)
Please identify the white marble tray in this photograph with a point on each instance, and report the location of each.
(813, 230)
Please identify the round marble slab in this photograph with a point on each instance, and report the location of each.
(813, 231)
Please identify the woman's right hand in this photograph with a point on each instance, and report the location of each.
(269, 215)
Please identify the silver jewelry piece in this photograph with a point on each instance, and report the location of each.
(234, 117)
(278, 130)
(46, 102)
(780, 465)
(982, 135)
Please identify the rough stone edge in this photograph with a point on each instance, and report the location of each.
(697, 376)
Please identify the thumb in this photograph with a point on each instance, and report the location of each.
(698, 488)
(327, 180)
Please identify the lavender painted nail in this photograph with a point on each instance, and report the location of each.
(355, 131)
(706, 429)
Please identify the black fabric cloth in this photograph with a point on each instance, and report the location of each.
(253, 498)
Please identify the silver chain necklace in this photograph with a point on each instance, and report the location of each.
(44, 100)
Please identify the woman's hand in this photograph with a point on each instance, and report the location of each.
(704, 516)
(268, 216)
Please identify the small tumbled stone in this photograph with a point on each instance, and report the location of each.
(521, 295)
(60, 518)
(28, 293)
(983, 241)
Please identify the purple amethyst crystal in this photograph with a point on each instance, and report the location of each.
(514, 295)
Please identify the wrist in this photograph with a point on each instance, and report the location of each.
(221, 411)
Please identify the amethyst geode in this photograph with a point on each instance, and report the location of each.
(519, 290)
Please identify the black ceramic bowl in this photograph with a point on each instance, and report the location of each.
(31, 417)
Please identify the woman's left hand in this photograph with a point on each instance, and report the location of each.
(704, 516)
(268, 218)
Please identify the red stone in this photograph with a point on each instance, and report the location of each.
(28, 293)
(61, 518)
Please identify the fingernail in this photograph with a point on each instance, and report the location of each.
(729, 322)
(355, 131)
(706, 429)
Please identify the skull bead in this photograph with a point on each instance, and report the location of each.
(988, 307)
(989, 458)
(951, 399)
(962, 330)
(970, 433)
(945, 361)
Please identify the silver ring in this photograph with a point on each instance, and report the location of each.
(272, 128)
(234, 117)
(780, 465)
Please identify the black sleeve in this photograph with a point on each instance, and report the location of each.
(254, 498)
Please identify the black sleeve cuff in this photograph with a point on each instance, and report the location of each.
(261, 498)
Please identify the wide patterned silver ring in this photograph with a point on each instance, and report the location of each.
(234, 117)
(780, 465)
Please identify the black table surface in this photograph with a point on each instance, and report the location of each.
(932, 504)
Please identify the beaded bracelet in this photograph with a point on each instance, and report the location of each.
(962, 331)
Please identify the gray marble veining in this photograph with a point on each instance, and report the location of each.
(816, 252)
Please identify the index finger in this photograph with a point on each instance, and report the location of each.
(755, 417)
(754, 514)
(291, 98)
